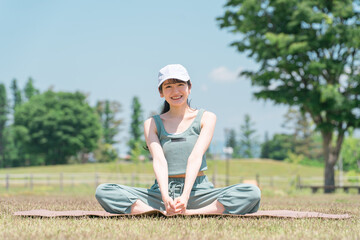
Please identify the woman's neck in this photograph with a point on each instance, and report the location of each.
(180, 111)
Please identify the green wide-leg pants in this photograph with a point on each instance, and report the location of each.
(237, 199)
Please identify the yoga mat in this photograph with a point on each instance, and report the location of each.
(155, 213)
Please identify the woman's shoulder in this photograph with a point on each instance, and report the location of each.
(150, 122)
(209, 115)
(150, 125)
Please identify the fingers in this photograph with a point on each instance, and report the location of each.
(176, 206)
(172, 204)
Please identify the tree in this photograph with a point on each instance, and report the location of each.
(248, 142)
(279, 146)
(309, 57)
(3, 119)
(30, 90)
(107, 112)
(105, 152)
(136, 129)
(265, 148)
(17, 97)
(304, 139)
(58, 125)
(350, 153)
(230, 141)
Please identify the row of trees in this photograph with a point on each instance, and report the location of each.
(302, 144)
(61, 127)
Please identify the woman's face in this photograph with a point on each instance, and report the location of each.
(175, 93)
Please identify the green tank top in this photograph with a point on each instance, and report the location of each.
(178, 147)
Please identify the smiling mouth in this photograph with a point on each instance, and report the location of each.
(176, 98)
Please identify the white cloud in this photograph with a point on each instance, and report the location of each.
(223, 74)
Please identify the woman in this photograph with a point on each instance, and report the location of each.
(177, 140)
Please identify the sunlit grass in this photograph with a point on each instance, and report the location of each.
(238, 167)
(12, 227)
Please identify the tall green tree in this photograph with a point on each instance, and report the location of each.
(265, 147)
(3, 119)
(110, 122)
(308, 55)
(16, 92)
(248, 142)
(30, 90)
(58, 125)
(136, 130)
(230, 141)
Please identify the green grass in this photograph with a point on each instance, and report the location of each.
(276, 178)
(238, 167)
(12, 227)
(81, 197)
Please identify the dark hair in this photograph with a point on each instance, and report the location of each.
(166, 106)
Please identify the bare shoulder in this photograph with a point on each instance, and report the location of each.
(149, 125)
(147, 122)
(208, 118)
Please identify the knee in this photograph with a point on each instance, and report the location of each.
(100, 190)
(254, 193)
(105, 190)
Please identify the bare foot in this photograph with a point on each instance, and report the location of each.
(215, 207)
(140, 207)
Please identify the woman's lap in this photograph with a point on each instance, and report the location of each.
(237, 199)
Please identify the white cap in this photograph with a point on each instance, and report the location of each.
(170, 71)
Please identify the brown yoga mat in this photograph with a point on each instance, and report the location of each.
(268, 213)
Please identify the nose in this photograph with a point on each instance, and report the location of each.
(175, 90)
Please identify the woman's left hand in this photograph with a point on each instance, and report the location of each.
(181, 204)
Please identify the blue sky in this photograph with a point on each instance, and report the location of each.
(114, 49)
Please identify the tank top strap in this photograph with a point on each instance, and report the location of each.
(197, 121)
(159, 125)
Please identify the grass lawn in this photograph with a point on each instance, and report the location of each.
(12, 227)
(238, 167)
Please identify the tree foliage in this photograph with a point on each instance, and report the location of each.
(265, 148)
(30, 90)
(57, 125)
(231, 141)
(304, 138)
(17, 95)
(107, 112)
(308, 53)
(136, 142)
(248, 142)
(350, 153)
(279, 146)
(3, 119)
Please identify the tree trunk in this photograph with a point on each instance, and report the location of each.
(329, 177)
(331, 155)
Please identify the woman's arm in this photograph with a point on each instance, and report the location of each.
(208, 122)
(159, 162)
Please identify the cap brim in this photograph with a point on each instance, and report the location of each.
(162, 81)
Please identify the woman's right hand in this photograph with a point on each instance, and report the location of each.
(169, 205)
